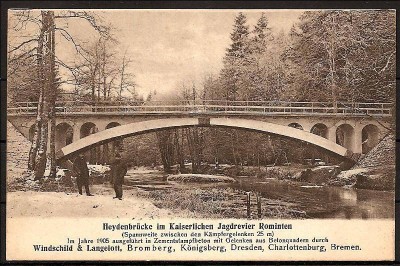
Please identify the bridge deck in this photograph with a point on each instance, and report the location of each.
(212, 107)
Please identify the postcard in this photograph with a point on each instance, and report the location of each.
(201, 134)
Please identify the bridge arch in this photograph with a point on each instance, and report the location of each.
(320, 129)
(112, 124)
(296, 125)
(345, 136)
(370, 137)
(87, 129)
(142, 127)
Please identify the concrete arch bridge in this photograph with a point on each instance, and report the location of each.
(347, 130)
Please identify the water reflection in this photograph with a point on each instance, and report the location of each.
(317, 202)
(326, 202)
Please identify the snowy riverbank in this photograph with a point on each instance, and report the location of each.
(60, 204)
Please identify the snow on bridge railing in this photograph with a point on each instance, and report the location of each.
(210, 106)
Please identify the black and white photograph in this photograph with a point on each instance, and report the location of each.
(217, 114)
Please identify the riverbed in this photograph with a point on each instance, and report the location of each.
(279, 198)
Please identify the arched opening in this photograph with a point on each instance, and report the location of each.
(345, 136)
(112, 124)
(370, 137)
(112, 148)
(320, 130)
(93, 154)
(64, 135)
(295, 125)
(31, 132)
(87, 129)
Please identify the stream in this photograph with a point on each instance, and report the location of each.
(321, 202)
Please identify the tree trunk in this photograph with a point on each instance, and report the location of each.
(52, 143)
(332, 65)
(195, 144)
(179, 150)
(191, 149)
(104, 70)
(36, 136)
(41, 157)
(122, 78)
(93, 87)
(106, 151)
(38, 123)
(93, 153)
(53, 93)
(166, 149)
(233, 145)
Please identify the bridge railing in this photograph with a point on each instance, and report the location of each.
(211, 106)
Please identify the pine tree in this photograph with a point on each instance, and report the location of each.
(261, 35)
(257, 70)
(344, 55)
(239, 47)
(236, 60)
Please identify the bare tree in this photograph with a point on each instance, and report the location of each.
(46, 63)
(127, 82)
(45, 22)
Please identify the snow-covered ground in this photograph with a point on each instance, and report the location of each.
(98, 169)
(60, 204)
(17, 153)
(200, 178)
(351, 173)
(57, 204)
(142, 170)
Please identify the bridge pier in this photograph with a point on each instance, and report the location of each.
(357, 140)
(101, 125)
(307, 127)
(332, 133)
(77, 132)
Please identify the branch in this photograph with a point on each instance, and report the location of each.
(387, 63)
(68, 37)
(22, 44)
(23, 17)
(22, 55)
(104, 31)
(61, 63)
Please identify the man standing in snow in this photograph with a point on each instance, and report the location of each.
(82, 174)
(118, 171)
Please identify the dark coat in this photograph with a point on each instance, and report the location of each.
(81, 168)
(118, 171)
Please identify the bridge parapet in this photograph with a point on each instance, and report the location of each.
(276, 108)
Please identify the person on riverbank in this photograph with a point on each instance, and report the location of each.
(81, 171)
(118, 171)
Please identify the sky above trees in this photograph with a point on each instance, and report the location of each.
(167, 50)
(168, 46)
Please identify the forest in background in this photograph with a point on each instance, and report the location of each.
(328, 56)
